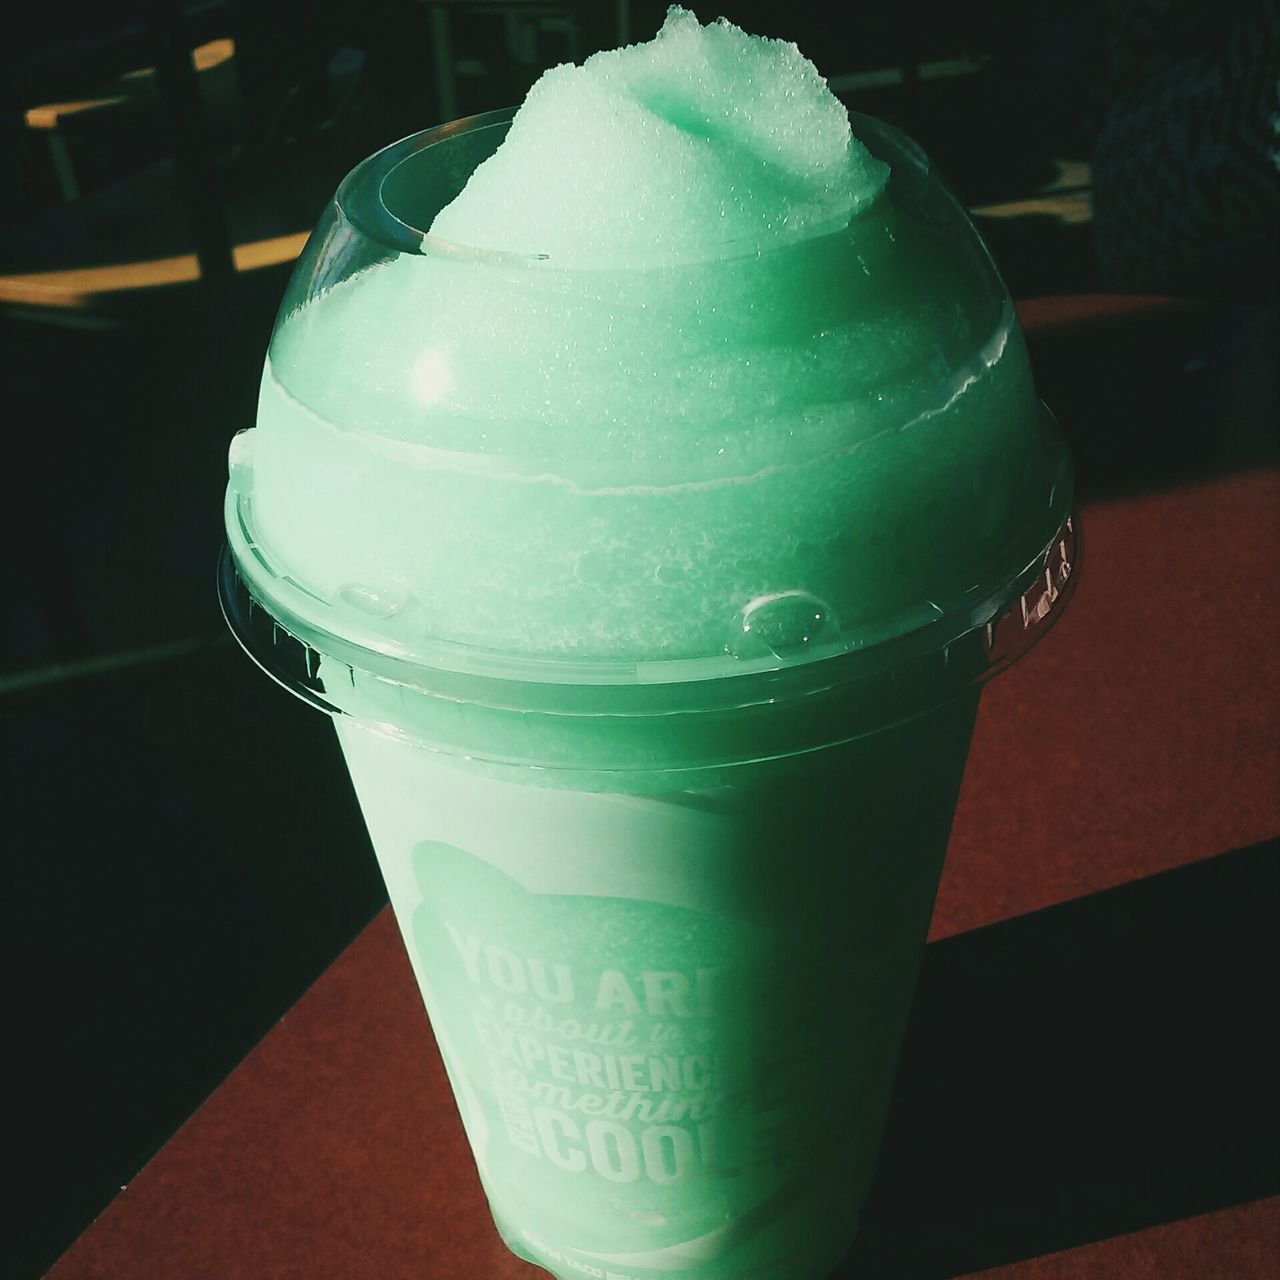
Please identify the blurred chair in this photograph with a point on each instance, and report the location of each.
(116, 106)
(144, 76)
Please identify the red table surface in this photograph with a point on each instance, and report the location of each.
(1140, 736)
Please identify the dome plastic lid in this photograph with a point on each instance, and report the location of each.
(662, 516)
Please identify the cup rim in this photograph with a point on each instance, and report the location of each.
(601, 737)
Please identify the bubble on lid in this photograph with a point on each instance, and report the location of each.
(786, 624)
(376, 601)
(591, 567)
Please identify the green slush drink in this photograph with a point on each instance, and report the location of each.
(646, 484)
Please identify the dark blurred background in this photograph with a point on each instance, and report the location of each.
(185, 854)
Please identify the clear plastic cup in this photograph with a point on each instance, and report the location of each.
(663, 860)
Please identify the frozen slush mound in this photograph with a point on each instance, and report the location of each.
(703, 139)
